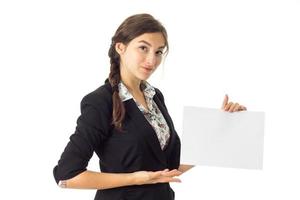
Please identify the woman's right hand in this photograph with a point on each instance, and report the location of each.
(149, 177)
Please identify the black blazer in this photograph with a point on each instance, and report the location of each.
(135, 149)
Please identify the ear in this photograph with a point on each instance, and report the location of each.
(120, 48)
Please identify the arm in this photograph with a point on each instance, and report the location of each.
(98, 180)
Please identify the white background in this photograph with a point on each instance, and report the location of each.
(52, 53)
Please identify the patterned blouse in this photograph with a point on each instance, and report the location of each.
(153, 114)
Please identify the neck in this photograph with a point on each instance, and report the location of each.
(132, 83)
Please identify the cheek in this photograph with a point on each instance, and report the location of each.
(134, 59)
(138, 58)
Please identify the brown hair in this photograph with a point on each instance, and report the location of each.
(131, 28)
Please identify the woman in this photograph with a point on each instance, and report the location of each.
(126, 123)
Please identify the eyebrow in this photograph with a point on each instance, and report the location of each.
(143, 41)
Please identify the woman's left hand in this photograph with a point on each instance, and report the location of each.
(230, 106)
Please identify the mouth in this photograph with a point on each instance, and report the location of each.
(147, 69)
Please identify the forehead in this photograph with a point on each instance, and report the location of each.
(156, 40)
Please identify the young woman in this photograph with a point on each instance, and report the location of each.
(126, 123)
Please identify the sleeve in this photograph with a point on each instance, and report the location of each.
(175, 158)
(91, 131)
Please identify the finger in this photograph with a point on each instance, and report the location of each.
(157, 174)
(242, 108)
(232, 107)
(173, 170)
(236, 107)
(172, 180)
(225, 101)
(167, 180)
(172, 173)
(165, 177)
(228, 106)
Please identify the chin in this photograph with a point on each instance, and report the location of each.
(144, 77)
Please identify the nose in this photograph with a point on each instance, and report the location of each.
(151, 59)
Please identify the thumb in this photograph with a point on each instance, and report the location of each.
(225, 101)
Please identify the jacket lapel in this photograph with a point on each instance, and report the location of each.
(144, 129)
(168, 119)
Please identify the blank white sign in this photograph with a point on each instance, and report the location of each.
(213, 137)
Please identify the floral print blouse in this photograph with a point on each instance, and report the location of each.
(153, 114)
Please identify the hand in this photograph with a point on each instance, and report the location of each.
(231, 107)
(149, 177)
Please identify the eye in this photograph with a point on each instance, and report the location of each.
(159, 52)
(143, 48)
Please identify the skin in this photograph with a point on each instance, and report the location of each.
(139, 60)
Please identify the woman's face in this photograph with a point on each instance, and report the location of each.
(141, 56)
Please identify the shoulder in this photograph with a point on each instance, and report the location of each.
(159, 94)
(100, 97)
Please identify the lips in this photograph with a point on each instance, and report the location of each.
(147, 69)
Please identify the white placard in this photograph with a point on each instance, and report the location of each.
(213, 137)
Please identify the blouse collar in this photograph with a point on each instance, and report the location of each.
(147, 89)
